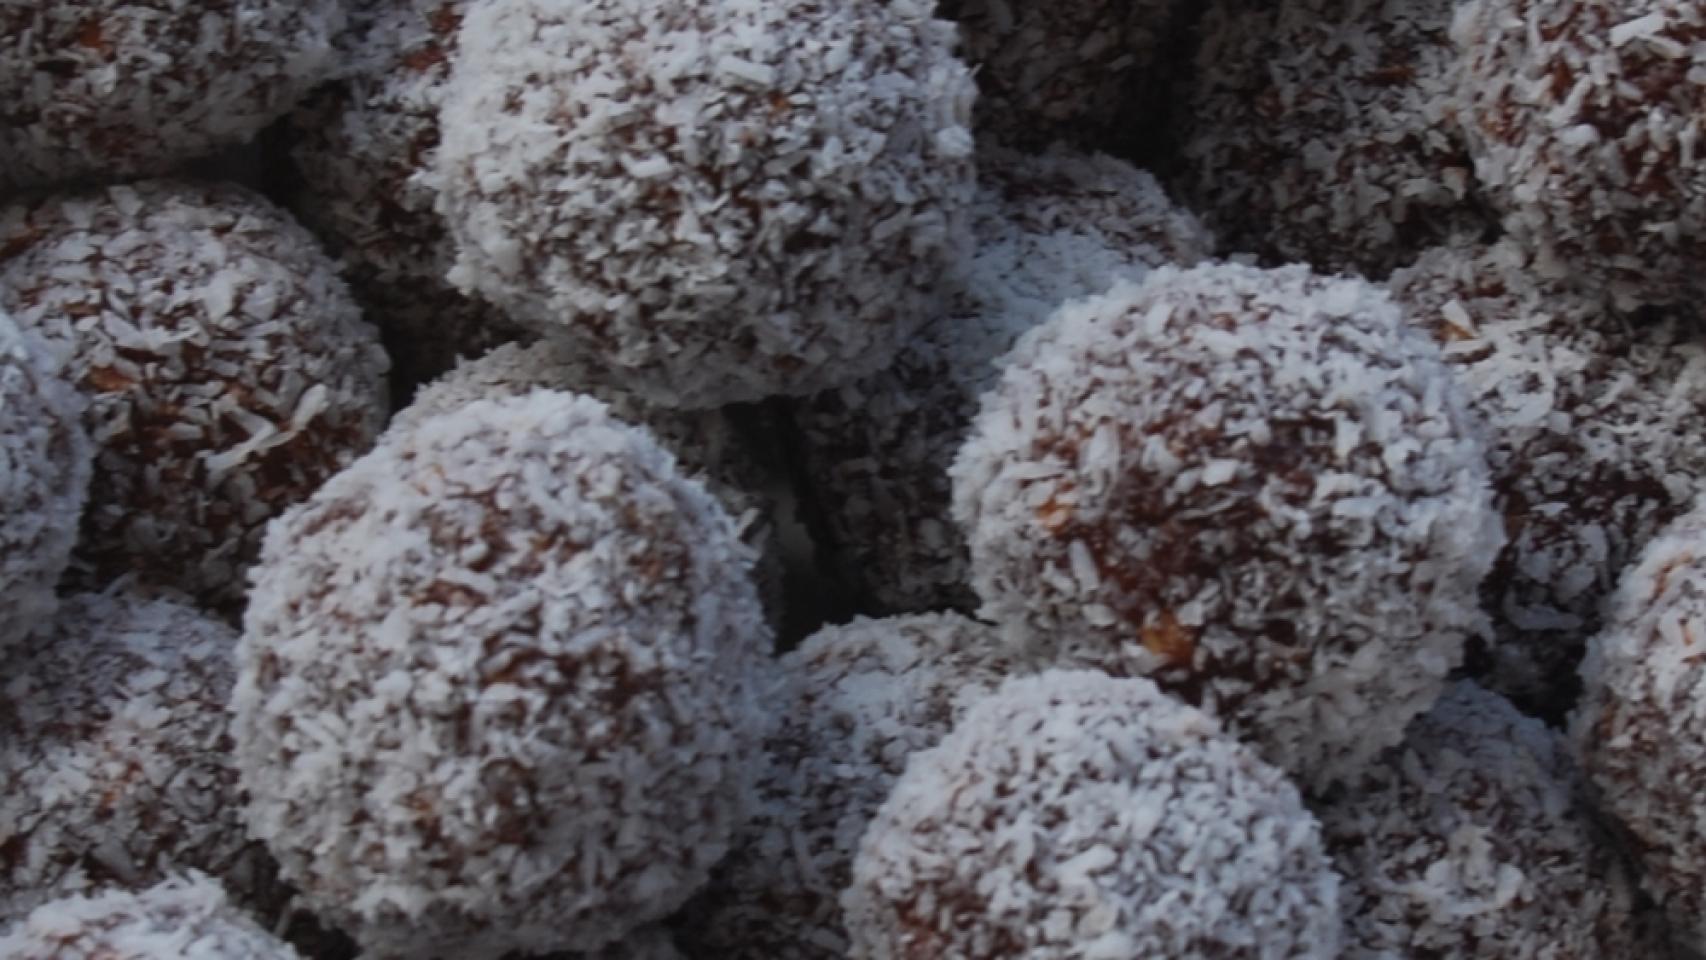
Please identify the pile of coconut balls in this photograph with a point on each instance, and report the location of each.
(870, 480)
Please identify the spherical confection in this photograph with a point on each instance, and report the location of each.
(121, 88)
(1258, 486)
(115, 758)
(227, 370)
(1589, 421)
(44, 478)
(1048, 229)
(1582, 116)
(499, 684)
(1469, 840)
(766, 208)
(183, 918)
(1076, 816)
(1321, 131)
(861, 698)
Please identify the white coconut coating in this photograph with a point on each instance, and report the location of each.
(124, 88)
(227, 369)
(182, 918)
(44, 479)
(500, 684)
(1081, 817)
(860, 699)
(1258, 486)
(1470, 840)
(712, 201)
(1323, 132)
(1590, 426)
(115, 760)
(1584, 117)
(1048, 229)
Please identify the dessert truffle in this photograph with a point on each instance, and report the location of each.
(43, 482)
(227, 370)
(1583, 118)
(1073, 815)
(860, 698)
(500, 684)
(876, 452)
(710, 201)
(122, 88)
(184, 918)
(1258, 486)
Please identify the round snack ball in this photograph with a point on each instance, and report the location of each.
(1074, 816)
(1582, 117)
(1258, 486)
(499, 684)
(765, 208)
(228, 371)
(1590, 426)
(1048, 229)
(860, 699)
(1469, 840)
(122, 88)
(44, 479)
(1322, 132)
(183, 918)
(116, 759)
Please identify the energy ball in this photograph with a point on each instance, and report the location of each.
(1582, 118)
(1259, 487)
(183, 918)
(125, 88)
(1590, 426)
(860, 699)
(227, 370)
(116, 758)
(1048, 229)
(1074, 816)
(1470, 840)
(500, 685)
(710, 201)
(43, 481)
(1323, 132)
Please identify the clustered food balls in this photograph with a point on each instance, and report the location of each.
(764, 209)
(182, 918)
(228, 372)
(1048, 228)
(1259, 487)
(1589, 421)
(1074, 815)
(500, 684)
(44, 478)
(122, 88)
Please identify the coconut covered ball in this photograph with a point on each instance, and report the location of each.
(1583, 118)
(1590, 426)
(125, 88)
(876, 453)
(44, 478)
(710, 201)
(227, 370)
(1074, 815)
(1323, 132)
(1259, 487)
(860, 699)
(115, 757)
(500, 684)
(1470, 840)
(183, 918)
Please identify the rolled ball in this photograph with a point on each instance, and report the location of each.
(181, 918)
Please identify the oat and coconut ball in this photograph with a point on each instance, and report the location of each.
(1072, 816)
(228, 372)
(712, 201)
(502, 684)
(1259, 487)
(182, 918)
